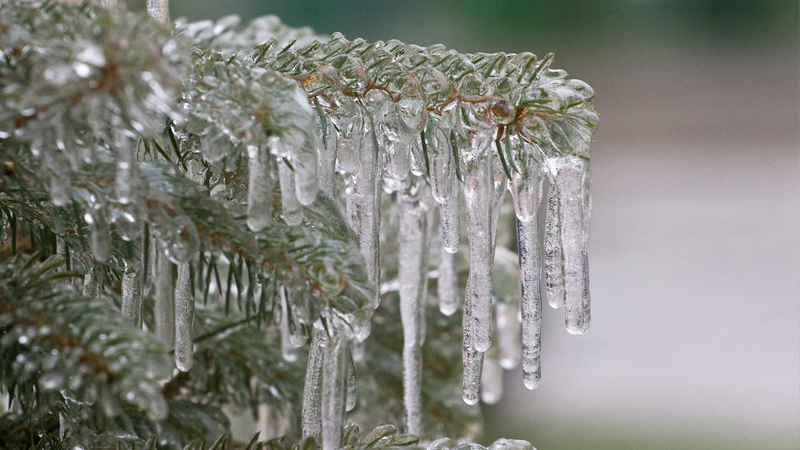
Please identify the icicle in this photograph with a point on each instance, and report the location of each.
(348, 119)
(553, 259)
(165, 301)
(125, 179)
(327, 141)
(440, 155)
(132, 294)
(471, 359)
(184, 318)
(366, 198)
(334, 372)
(305, 165)
(449, 220)
(259, 190)
(478, 193)
(352, 381)
(412, 273)
(530, 268)
(292, 210)
(159, 11)
(101, 233)
(92, 282)
(288, 349)
(570, 173)
(508, 334)
(312, 391)
(297, 337)
(491, 380)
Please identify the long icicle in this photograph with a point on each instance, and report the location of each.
(472, 360)
(184, 318)
(412, 275)
(530, 269)
(292, 209)
(366, 197)
(553, 262)
(312, 391)
(478, 199)
(569, 176)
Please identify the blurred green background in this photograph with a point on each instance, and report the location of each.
(695, 342)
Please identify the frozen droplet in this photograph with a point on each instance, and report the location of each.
(259, 190)
(164, 310)
(132, 296)
(184, 318)
(312, 390)
(292, 210)
(491, 380)
(478, 195)
(531, 307)
(526, 181)
(412, 273)
(508, 334)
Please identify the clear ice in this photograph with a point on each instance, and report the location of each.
(531, 308)
(184, 318)
(334, 374)
(292, 209)
(259, 190)
(311, 416)
(132, 296)
(164, 301)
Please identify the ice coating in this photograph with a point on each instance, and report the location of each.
(311, 418)
(259, 190)
(569, 173)
(184, 318)
(531, 307)
(413, 276)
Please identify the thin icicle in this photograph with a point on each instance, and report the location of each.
(305, 164)
(312, 391)
(508, 334)
(297, 337)
(93, 282)
(447, 284)
(440, 155)
(184, 318)
(530, 269)
(126, 179)
(478, 194)
(159, 11)
(491, 380)
(570, 183)
(366, 198)
(471, 359)
(553, 259)
(164, 301)
(259, 190)
(327, 142)
(292, 209)
(352, 381)
(449, 220)
(334, 373)
(288, 349)
(101, 233)
(412, 273)
(132, 294)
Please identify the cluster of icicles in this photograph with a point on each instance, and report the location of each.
(460, 152)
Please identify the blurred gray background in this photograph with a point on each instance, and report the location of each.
(695, 252)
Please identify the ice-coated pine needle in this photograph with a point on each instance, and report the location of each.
(184, 318)
(312, 391)
(259, 190)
